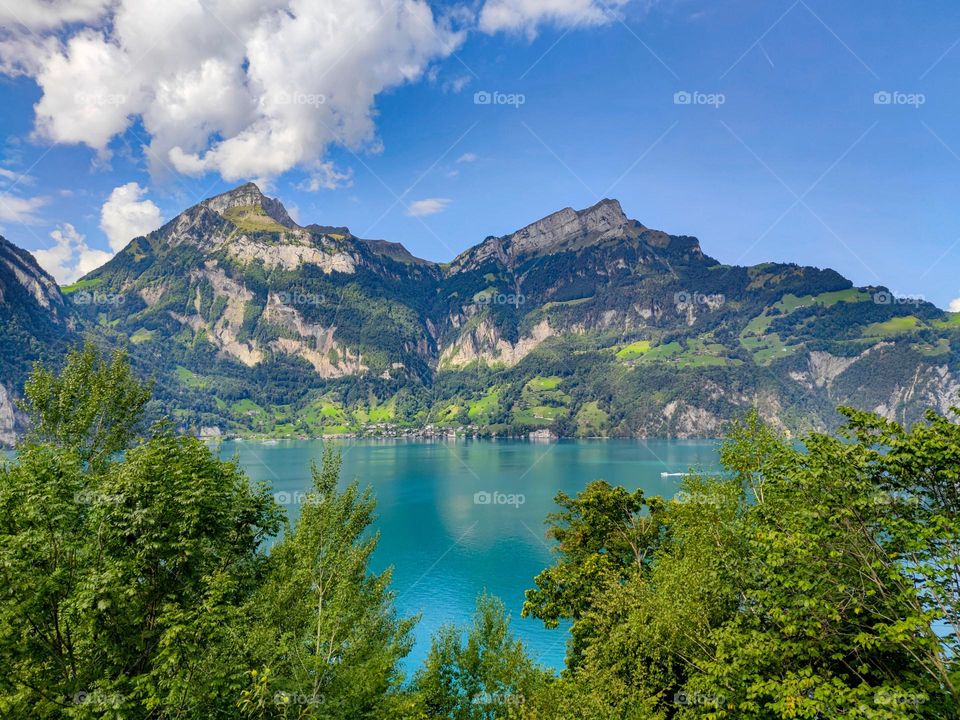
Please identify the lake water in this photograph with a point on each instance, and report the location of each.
(458, 518)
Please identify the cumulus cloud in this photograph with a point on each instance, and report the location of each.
(125, 215)
(70, 258)
(954, 305)
(427, 206)
(89, 92)
(244, 88)
(526, 15)
(467, 158)
(20, 210)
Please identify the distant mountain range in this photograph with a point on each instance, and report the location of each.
(583, 323)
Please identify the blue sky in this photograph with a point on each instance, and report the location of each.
(784, 152)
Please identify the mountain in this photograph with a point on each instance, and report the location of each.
(260, 291)
(567, 273)
(582, 323)
(35, 324)
(612, 328)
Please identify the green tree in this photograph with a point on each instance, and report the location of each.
(813, 581)
(122, 580)
(603, 535)
(488, 675)
(325, 635)
(92, 406)
(834, 618)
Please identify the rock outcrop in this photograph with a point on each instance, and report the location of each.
(249, 195)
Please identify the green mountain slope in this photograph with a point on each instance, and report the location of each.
(582, 323)
(647, 335)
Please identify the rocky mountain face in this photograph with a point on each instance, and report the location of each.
(249, 196)
(238, 275)
(35, 324)
(562, 274)
(561, 231)
(585, 322)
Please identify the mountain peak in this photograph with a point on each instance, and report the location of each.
(606, 210)
(568, 225)
(394, 250)
(247, 195)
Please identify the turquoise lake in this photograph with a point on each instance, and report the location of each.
(458, 518)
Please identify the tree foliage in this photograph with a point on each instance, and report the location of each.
(324, 629)
(93, 406)
(484, 676)
(809, 580)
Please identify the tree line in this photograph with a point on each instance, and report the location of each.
(143, 577)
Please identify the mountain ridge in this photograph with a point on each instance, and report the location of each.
(598, 221)
(580, 323)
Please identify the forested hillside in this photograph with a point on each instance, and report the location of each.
(584, 323)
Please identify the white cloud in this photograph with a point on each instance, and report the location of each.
(527, 15)
(954, 305)
(9, 175)
(125, 216)
(20, 210)
(35, 15)
(90, 91)
(468, 158)
(427, 206)
(326, 177)
(70, 258)
(244, 88)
